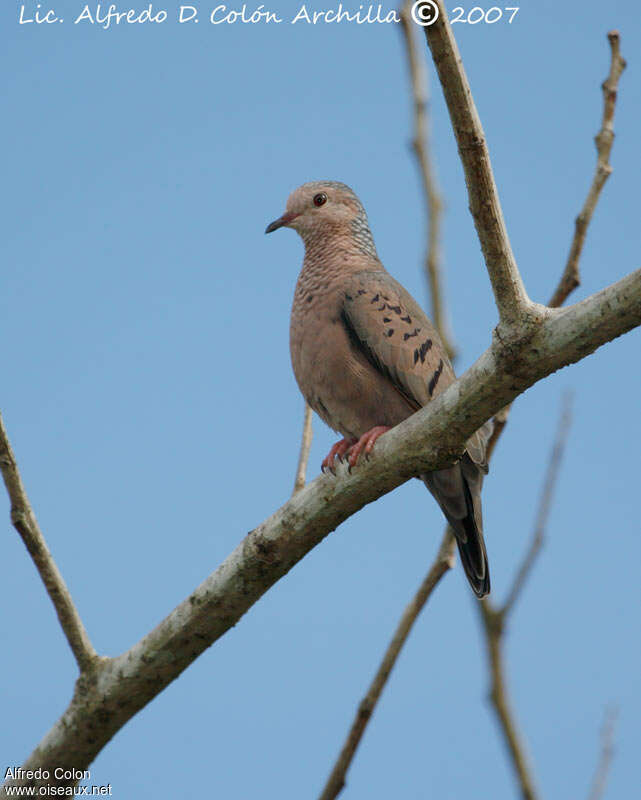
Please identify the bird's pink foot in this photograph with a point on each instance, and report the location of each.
(365, 443)
(338, 450)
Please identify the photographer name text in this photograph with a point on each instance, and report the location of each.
(424, 12)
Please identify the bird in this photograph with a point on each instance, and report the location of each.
(366, 357)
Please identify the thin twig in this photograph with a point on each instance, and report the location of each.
(24, 521)
(545, 504)
(570, 279)
(494, 617)
(493, 627)
(305, 445)
(443, 562)
(605, 759)
(422, 149)
(603, 140)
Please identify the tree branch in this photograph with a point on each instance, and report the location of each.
(24, 521)
(430, 439)
(570, 279)
(305, 445)
(514, 306)
(530, 343)
(604, 141)
(494, 618)
(421, 147)
(493, 626)
(443, 562)
(607, 751)
(545, 505)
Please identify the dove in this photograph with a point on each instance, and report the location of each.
(366, 357)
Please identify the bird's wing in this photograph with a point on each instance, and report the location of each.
(394, 333)
(392, 330)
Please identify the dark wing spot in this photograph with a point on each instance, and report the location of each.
(321, 407)
(375, 299)
(407, 319)
(395, 309)
(407, 336)
(381, 308)
(310, 297)
(361, 291)
(389, 332)
(348, 296)
(435, 377)
(363, 347)
(385, 297)
(415, 356)
(387, 319)
(424, 348)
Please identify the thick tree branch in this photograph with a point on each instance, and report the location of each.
(443, 562)
(421, 147)
(514, 306)
(305, 445)
(428, 440)
(603, 140)
(24, 521)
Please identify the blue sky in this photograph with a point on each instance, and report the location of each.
(147, 389)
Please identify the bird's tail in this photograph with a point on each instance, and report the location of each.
(458, 492)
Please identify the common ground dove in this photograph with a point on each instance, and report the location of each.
(366, 356)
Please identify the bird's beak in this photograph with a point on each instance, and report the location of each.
(278, 223)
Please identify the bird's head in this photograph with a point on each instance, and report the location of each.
(323, 208)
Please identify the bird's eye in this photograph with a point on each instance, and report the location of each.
(320, 199)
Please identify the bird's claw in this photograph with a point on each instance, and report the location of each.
(338, 451)
(365, 444)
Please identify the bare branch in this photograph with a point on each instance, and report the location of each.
(305, 445)
(493, 627)
(545, 504)
(24, 521)
(603, 140)
(430, 439)
(607, 751)
(570, 279)
(421, 147)
(513, 304)
(443, 562)
(500, 421)
(494, 618)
